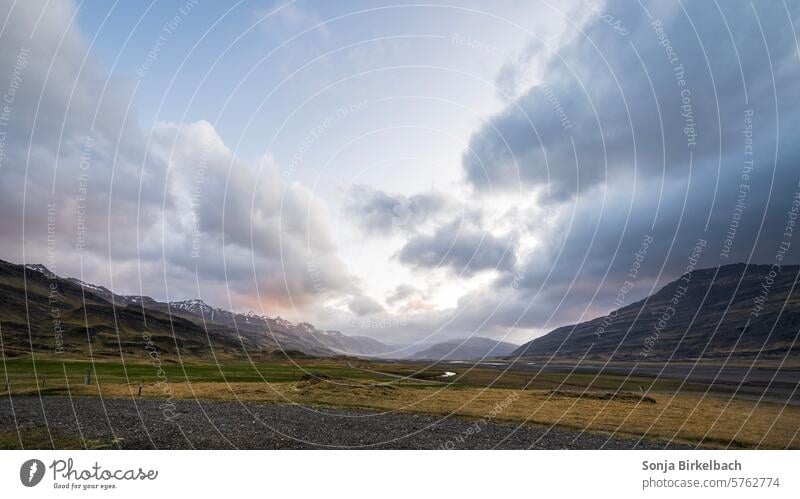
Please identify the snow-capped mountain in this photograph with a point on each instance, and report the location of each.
(195, 306)
(38, 267)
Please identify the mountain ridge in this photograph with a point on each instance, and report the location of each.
(705, 313)
(472, 348)
(67, 314)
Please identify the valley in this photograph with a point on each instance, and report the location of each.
(63, 341)
(608, 404)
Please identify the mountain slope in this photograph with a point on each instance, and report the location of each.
(301, 336)
(352, 345)
(737, 309)
(472, 348)
(275, 332)
(43, 312)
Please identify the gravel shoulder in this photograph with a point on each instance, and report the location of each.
(191, 424)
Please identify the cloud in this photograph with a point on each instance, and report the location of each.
(401, 293)
(175, 211)
(407, 299)
(655, 99)
(247, 209)
(364, 305)
(603, 134)
(72, 160)
(463, 249)
(634, 172)
(733, 189)
(379, 213)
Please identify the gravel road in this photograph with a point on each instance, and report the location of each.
(143, 424)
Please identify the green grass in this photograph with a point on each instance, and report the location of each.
(54, 375)
(37, 437)
(602, 409)
(20, 371)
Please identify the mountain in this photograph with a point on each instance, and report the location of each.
(301, 336)
(352, 345)
(43, 312)
(272, 333)
(472, 348)
(741, 310)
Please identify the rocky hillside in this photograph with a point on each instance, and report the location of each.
(40, 311)
(741, 310)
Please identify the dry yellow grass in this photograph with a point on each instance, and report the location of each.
(711, 421)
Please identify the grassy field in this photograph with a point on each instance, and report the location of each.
(58, 373)
(38, 437)
(605, 404)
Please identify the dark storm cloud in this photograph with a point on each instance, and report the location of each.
(649, 167)
(639, 178)
(640, 103)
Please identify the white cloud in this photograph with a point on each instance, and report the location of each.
(173, 207)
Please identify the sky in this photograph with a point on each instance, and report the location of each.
(404, 171)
